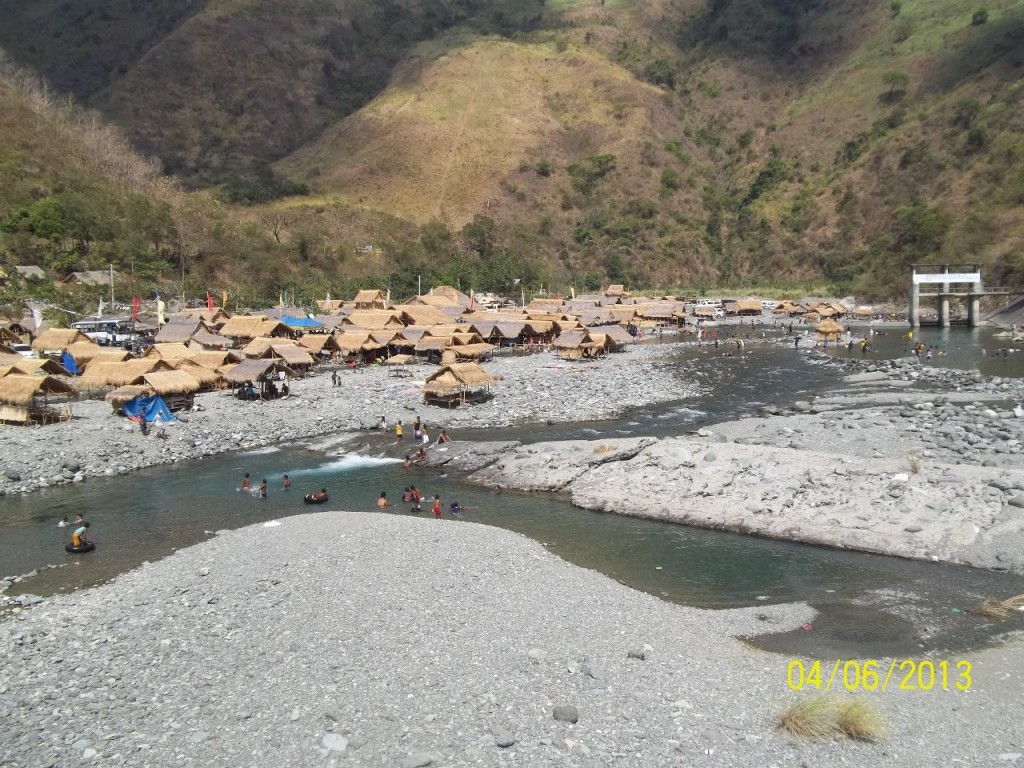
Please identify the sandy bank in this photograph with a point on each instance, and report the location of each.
(358, 639)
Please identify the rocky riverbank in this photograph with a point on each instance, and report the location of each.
(347, 639)
(533, 388)
(880, 468)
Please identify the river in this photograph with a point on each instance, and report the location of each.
(869, 605)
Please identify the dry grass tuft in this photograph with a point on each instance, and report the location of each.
(817, 718)
(1000, 609)
(861, 720)
(605, 449)
(914, 462)
(811, 718)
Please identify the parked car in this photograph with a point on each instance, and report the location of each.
(23, 349)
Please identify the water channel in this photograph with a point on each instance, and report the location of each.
(868, 605)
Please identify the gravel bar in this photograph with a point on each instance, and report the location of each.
(362, 639)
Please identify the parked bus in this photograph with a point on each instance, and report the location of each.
(108, 331)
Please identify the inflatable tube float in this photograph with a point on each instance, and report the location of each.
(315, 498)
(81, 550)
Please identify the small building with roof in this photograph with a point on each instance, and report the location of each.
(457, 384)
(31, 399)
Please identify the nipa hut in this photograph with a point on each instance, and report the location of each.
(581, 343)
(36, 367)
(322, 345)
(458, 384)
(121, 396)
(53, 341)
(262, 373)
(177, 388)
(101, 375)
(173, 351)
(829, 330)
(26, 399)
(370, 299)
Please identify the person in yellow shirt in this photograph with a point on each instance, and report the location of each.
(398, 431)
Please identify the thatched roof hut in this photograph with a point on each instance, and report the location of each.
(416, 314)
(56, 340)
(214, 358)
(20, 398)
(617, 336)
(434, 344)
(208, 379)
(295, 356)
(369, 298)
(479, 351)
(84, 351)
(109, 355)
(744, 307)
(829, 330)
(323, 344)
(122, 395)
(100, 375)
(374, 319)
(177, 388)
(243, 328)
(177, 332)
(575, 344)
(170, 351)
(256, 370)
(353, 343)
(431, 300)
(38, 366)
(458, 384)
(453, 294)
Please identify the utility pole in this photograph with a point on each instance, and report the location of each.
(111, 286)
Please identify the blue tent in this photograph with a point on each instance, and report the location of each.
(301, 322)
(149, 408)
(69, 363)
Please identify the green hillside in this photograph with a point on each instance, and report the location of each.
(670, 143)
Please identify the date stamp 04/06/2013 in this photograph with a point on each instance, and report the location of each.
(872, 675)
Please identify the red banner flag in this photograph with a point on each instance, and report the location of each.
(135, 309)
(209, 302)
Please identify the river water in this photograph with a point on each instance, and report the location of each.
(868, 605)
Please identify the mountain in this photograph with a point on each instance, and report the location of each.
(665, 143)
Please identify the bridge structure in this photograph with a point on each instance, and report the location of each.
(942, 282)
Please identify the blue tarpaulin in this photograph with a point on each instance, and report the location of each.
(148, 407)
(301, 322)
(69, 363)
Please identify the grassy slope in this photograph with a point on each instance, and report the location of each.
(448, 133)
(734, 106)
(458, 129)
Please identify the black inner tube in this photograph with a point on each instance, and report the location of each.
(311, 498)
(87, 547)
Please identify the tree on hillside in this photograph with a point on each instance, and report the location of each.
(897, 82)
